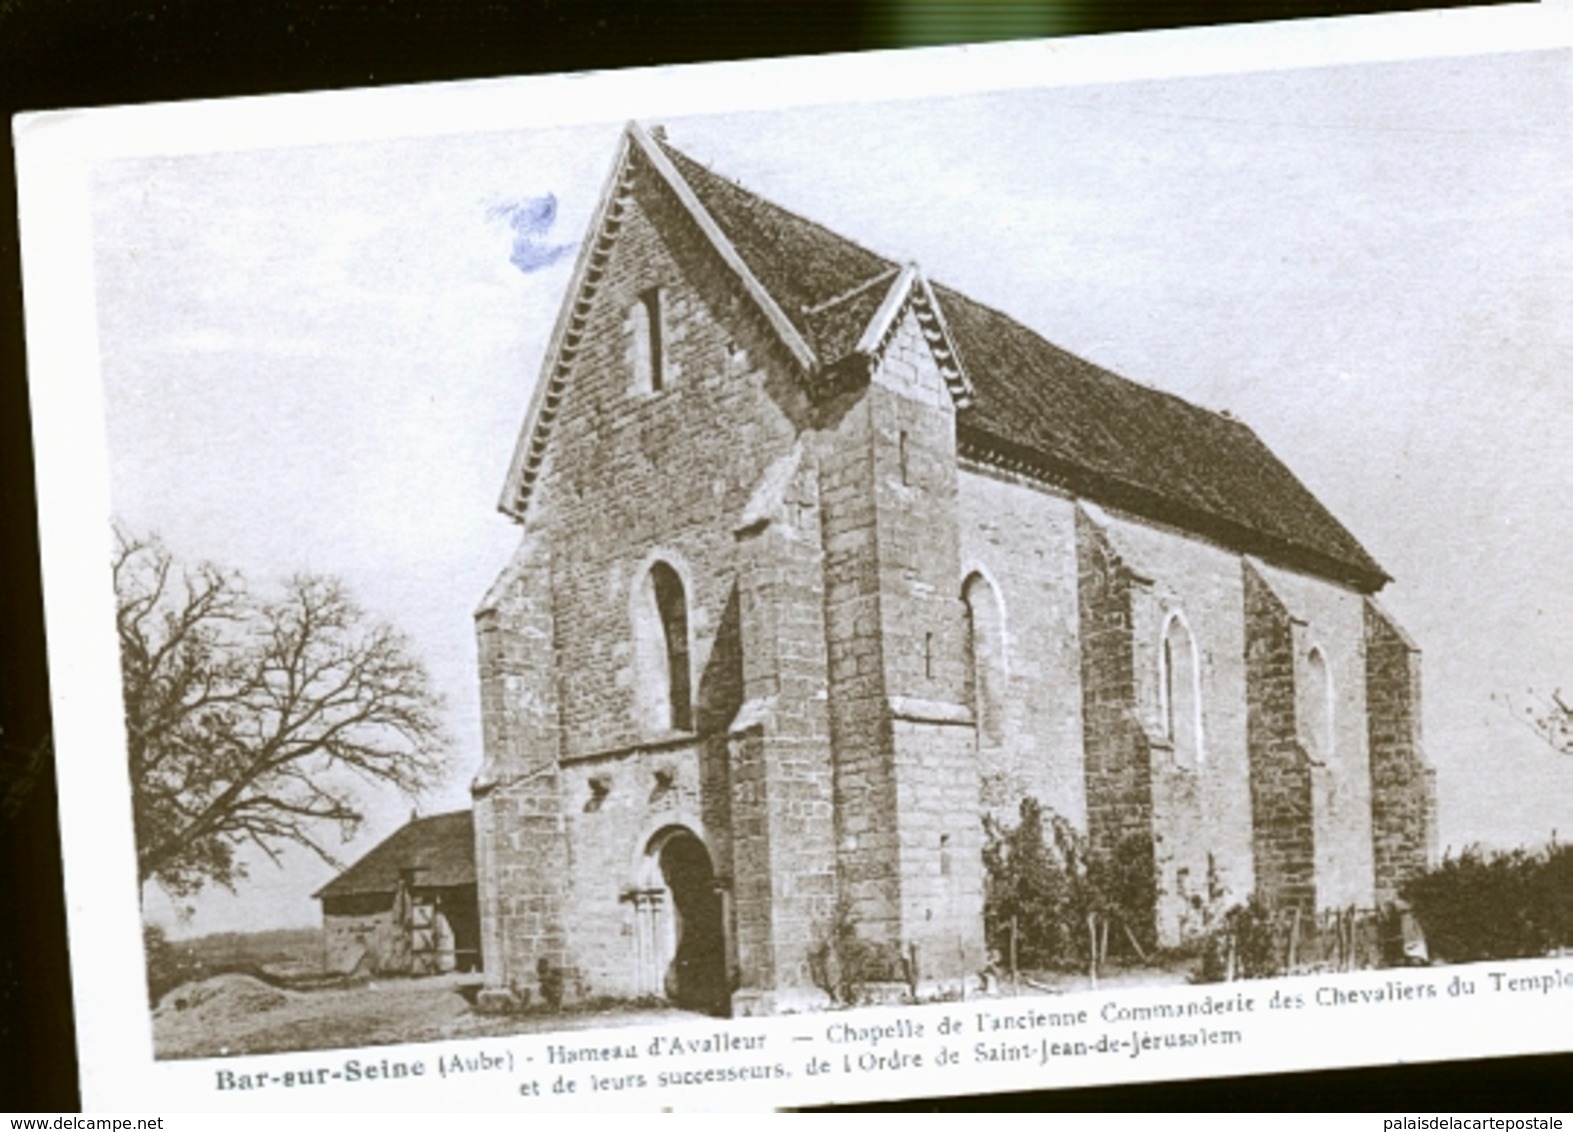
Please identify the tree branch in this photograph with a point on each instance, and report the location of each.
(242, 715)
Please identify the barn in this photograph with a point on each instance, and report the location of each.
(408, 906)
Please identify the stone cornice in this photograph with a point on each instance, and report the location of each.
(988, 451)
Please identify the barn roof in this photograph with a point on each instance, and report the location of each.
(440, 849)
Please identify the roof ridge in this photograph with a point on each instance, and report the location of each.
(872, 281)
(737, 186)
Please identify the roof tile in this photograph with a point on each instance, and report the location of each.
(440, 848)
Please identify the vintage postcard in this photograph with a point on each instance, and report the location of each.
(806, 581)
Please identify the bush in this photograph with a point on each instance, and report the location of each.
(1496, 905)
(844, 963)
(1243, 944)
(168, 965)
(1125, 888)
(1037, 884)
(1041, 875)
(1552, 894)
(551, 983)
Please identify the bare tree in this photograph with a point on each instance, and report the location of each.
(250, 719)
(1548, 716)
(1552, 717)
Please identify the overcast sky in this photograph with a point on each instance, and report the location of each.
(319, 358)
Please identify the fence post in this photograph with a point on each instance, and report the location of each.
(1092, 946)
(1294, 940)
(1015, 977)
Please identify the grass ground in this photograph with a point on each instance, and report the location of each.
(231, 1014)
(237, 1014)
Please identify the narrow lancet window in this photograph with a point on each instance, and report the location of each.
(1181, 692)
(664, 681)
(985, 656)
(1318, 707)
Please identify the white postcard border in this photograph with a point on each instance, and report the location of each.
(56, 154)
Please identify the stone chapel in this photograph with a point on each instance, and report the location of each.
(821, 561)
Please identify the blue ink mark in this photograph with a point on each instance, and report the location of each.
(531, 219)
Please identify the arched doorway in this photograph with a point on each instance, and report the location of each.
(695, 974)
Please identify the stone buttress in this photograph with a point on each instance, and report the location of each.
(1281, 770)
(521, 844)
(783, 825)
(1403, 784)
(908, 833)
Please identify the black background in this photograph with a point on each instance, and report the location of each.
(61, 53)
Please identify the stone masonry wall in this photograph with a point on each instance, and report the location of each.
(1200, 797)
(350, 936)
(521, 851)
(865, 792)
(1118, 757)
(1281, 789)
(1403, 784)
(1329, 619)
(1139, 579)
(905, 760)
(1022, 539)
(783, 820)
(613, 807)
(633, 476)
(922, 628)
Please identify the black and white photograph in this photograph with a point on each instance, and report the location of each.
(990, 569)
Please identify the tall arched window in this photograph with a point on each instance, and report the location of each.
(985, 656)
(1317, 706)
(1180, 692)
(649, 364)
(664, 683)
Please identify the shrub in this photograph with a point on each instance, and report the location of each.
(1552, 894)
(844, 963)
(168, 965)
(551, 983)
(1496, 905)
(1038, 885)
(1041, 874)
(1125, 888)
(1242, 944)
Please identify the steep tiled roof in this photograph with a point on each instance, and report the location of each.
(441, 850)
(1044, 410)
(801, 264)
